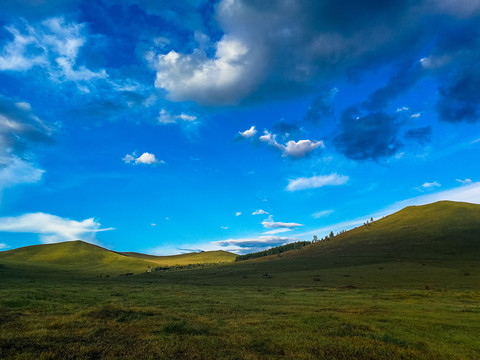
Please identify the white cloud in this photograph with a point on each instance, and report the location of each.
(464, 182)
(52, 228)
(301, 148)
(316, 182)
(248, 133)
(153, 224)
(165, 117)
(295, 149)
(217, 80)
(260, 212)
(52, 45)
(145, 158)
(323, 213)
(270, 224)
(3, 246)
(224, 227)
(417, 115)
(404, 108)
(15, 171)
(238, 213)
(428, 185)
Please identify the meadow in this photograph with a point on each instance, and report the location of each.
(314, 303)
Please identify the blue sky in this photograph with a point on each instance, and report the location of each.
(167, 127)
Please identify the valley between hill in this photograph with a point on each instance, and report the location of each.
(403, 287)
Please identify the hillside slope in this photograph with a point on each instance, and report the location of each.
(441, 230)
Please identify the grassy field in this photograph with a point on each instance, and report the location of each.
(326, 301)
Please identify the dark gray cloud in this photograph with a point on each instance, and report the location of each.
(421, 135)
(368, 137)
(459, 100)
(20, 128)
(321, 107)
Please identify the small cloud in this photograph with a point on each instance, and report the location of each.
(323, 213)
(428, 185)
(260, 212)
(3, 246)
(165, 117)
(294, 149)
(417, 115)
(464, 182)
(153, 224)
(238, 213)
(224, 227)
(248, 133)
(316, 182)
(145, 158)
(167, 218)
(270, 224)
(402, 109)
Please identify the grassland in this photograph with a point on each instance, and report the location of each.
(331, 300)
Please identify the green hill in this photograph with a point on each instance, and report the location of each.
(88, 258)
(442, 230)
(203, 257)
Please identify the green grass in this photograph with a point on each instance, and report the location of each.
(364, 295)
(204, 257)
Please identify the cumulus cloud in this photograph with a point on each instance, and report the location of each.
(248, 133)
(218, 80)
(146, 158)
(270, 224)
(260, 212)
(51, 228)
(293, 149)
(316, 182)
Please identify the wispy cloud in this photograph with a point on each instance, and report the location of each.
(428, 185)
(270, 224)
(260, 212)
(51, 228)
(238, 213)
(165, 117)
(320, 214)
(3, 246)
(465, 181)
(316, 182)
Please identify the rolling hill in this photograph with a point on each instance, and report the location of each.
(88, 258)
